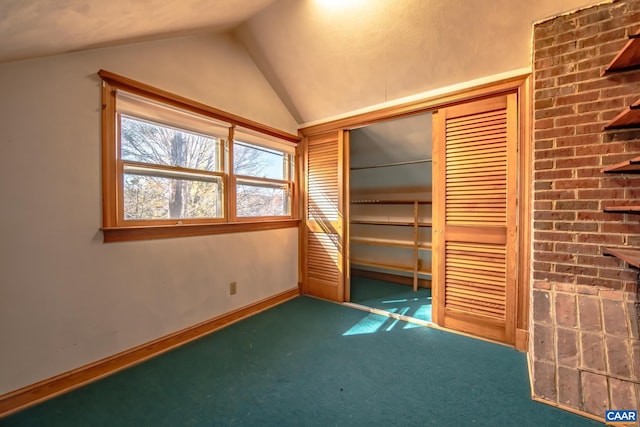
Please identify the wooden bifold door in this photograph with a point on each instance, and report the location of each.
(475, 217)
(325, 266)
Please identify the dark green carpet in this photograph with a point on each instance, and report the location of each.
(392, 297)
(305, 363)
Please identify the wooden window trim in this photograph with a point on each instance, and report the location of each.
(123, 234)
(119, 82)
(113, 229)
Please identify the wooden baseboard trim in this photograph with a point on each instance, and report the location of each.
(522, 340)
(30, 395)
(388, 277)
(567, 408)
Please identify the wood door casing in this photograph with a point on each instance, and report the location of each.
(475, 217)
(323, 260)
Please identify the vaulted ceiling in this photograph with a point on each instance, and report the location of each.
(323, 58)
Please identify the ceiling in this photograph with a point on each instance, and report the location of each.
(323, 58)
(32, 28)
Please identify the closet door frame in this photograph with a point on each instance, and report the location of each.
(518, 83)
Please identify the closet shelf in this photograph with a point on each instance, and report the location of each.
(389, 202)
(389, 242)
(389, 222)
(629, 118)
(628, 58)
(396, 267)
(623, 209)
(631, 256)
(629, 166)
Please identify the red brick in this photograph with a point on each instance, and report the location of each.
(541, 104)
(605, 104)
(541, 266)
(579, 98)
(618, 356)
(591, 150)
(544, 42)
(544, 83)
(595, 394)
(575, 269)
(579, 205)
(555, 112)
(577, 119)
(554, 133)
(542, 285)
(602, 37)
(600, 238)
(554, 195)
(587, 290)
(623, 275)
(599, 261)
(558, 152)
(554, 92)
(623, 394)
(576, 248)
(594, 15)
(610, 47)
(542, 205)
(601, 194)
(567, 344)
(620, 227)
(543, 275)
(569, 386)
(567, 79)
(590, 128)
(553, 236)
(576, 226)
(593, 352)
(576, 183)
(599, 282)
(554, 216)
(615, 92)
(544, 380)
(544, 144)
(589, 313)
(543, 164)
(576, 162)
(553, 257)
(553, 174)
(543, 124)
(578, 140)
(595, 216)
(601, 83)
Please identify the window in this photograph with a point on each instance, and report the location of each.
(263, 181)
(169, 173)
(175, 167)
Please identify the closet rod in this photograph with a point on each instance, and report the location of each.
(384, 165)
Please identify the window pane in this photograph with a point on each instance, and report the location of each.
(147, 142)
(155, 197)
(251, 160)
(262, 200)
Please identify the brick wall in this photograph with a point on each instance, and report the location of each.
(585, 349)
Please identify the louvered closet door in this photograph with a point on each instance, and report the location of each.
(474, 234)
(323, 237)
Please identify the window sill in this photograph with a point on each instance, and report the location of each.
(124, 234)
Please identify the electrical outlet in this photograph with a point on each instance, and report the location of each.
(233, 288)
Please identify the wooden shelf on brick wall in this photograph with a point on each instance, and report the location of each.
(623, 209)
(628, 166)
(628, 58)
(631, 256)
(629, 118)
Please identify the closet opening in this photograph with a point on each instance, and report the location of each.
(390, 217)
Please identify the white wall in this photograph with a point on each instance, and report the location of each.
(68, 299)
